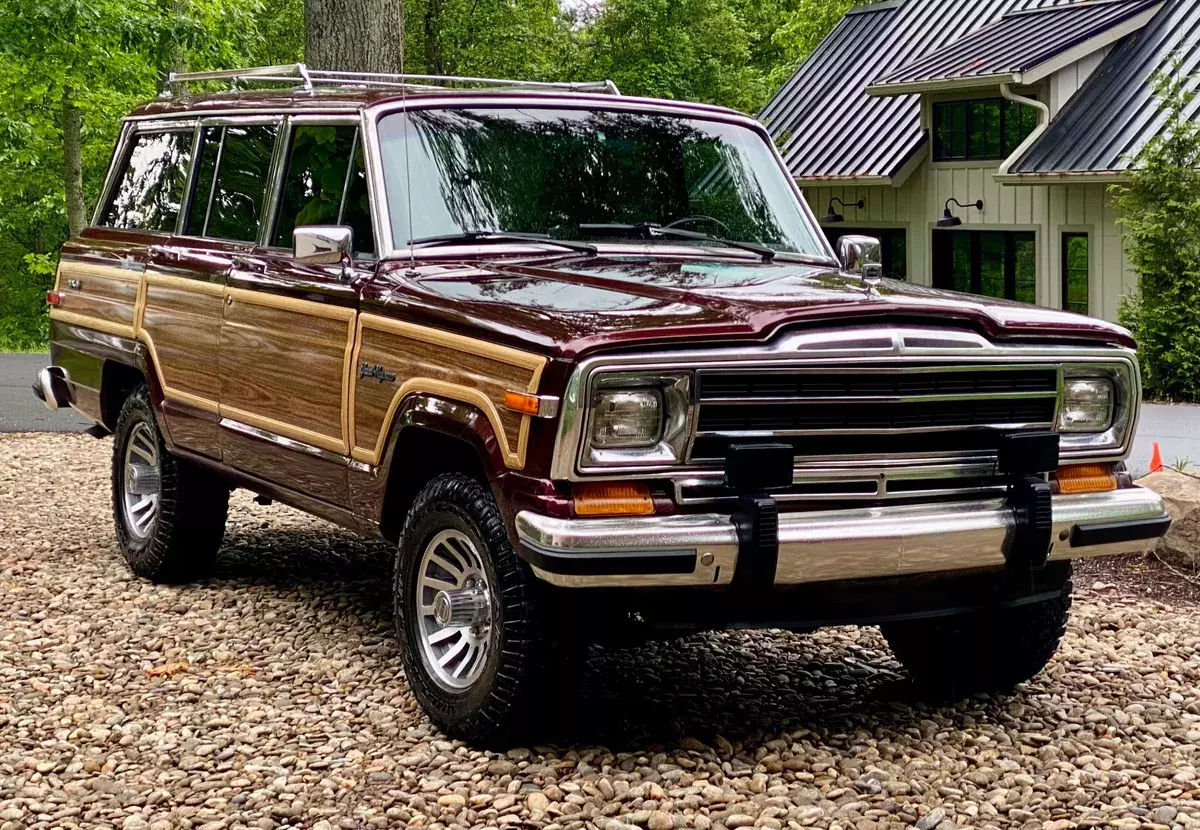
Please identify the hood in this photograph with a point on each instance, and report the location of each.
(570, 308)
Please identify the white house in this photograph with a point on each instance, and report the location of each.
(913, 112)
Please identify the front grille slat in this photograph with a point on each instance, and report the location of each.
(830, 412)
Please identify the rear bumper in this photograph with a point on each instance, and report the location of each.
(703, 549)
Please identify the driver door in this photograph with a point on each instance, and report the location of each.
(287, 333)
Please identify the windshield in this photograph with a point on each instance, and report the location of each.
(564, 172)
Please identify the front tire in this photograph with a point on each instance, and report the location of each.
(981, 651)
(169, 514)
(470, 614)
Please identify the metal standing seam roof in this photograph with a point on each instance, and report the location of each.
(1016, 43)
(1104, 125)
(825, 124)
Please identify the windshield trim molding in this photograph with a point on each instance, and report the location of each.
(371, 116)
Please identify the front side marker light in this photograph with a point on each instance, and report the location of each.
(538, 406)
(613, 499)
(1087, 405)
(1085, 478)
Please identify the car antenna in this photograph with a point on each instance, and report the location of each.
(412, 253)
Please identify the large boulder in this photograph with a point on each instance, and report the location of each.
(1181, 492)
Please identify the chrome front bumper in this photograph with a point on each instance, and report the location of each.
(702, 549)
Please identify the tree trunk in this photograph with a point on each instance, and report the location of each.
(354, 35)
(73, 163)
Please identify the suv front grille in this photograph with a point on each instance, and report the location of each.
(910, 409)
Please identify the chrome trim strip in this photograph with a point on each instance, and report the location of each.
(758, 433)
(285, 442)
(773, 400)
(837, 544)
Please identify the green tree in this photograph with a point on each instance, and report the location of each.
(1160, 205)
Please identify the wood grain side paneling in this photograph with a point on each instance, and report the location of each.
(106, 294)
(181, 325)
(443, 364)
(284, 364)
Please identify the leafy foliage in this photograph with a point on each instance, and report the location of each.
(1161, 209)
(103, 56)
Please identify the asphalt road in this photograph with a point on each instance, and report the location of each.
(1175, 428)
(20, 411)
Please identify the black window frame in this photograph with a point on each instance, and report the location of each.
(1064, 252)
(942, 248)
(270, 183)
(969, 108)
(283, 164)
(123, 155)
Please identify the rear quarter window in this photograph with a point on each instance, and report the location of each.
(150, 190)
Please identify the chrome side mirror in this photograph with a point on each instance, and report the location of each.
(862, 256)
(323, 244)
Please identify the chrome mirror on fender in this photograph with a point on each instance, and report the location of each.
(323, 244)
(862, 256)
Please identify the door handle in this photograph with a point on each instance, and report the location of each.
(248, 264)
(166, 253)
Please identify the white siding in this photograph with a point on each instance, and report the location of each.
(1048, 211)
(1067, 81)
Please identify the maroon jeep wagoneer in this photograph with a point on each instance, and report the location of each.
(590, 363)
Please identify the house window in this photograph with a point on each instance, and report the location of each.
(1075, 272)
(892, 241)
(989, 263)
(990, 128)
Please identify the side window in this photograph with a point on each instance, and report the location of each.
(316, 188)
(356, 206)
(150, 191)
(210, 149)
(237, 161)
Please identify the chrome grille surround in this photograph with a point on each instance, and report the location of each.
(871, 475)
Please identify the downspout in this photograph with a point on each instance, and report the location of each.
(1038, 131)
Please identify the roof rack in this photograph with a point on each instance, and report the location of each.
(304, 78)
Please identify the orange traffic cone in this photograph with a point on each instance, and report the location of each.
(1156, 465)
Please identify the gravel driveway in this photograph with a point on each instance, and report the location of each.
(272, 696)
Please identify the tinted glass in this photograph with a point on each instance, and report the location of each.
(985, 129)
(549, 171)
(210, 146)
(1025, 268)
(1075, 272)
(356, 209)
(315, 178)
(991, 265)
(150, 191)
(241, 182)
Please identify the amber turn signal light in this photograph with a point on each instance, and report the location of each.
(1085, 478)
(53, 298)
(525, 404)
(613, 500)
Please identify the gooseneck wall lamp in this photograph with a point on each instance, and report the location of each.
(949, 220)
(832, 217)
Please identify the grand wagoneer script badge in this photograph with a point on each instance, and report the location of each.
(366, 370)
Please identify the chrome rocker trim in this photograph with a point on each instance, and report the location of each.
(697, 550)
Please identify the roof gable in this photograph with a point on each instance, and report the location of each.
(1014, 48)
(1104, 126)
(823, 120)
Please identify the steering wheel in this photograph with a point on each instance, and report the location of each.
(688, 220)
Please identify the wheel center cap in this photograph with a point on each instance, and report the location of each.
(462, 607)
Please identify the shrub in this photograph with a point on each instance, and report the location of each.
(1160, 206)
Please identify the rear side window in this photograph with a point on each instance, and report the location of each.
(325, 184)
(231, 182)
(150, 191)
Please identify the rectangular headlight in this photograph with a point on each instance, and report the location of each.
(1087, 406)
(627, 418)
(637, 419)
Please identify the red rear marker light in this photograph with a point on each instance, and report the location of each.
(53, 298)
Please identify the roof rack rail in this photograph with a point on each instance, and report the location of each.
(301, 76)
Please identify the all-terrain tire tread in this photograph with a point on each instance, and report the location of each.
(193, 507)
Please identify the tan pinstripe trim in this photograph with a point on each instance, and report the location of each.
(185, 284)
(317, 439)
(468, 345)
(90, 269)
(86, 320)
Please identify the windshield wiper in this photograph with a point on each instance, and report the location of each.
(488, 237)
(650, 230)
